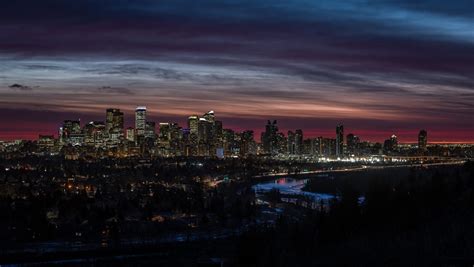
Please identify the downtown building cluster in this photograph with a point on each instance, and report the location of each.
(294, 143)
(205, 136)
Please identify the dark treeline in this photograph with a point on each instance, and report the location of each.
(423, 217)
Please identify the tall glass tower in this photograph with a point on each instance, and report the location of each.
(339, 140)
(140, 120)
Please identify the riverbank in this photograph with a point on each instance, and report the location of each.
(362, 167)
(360, 180)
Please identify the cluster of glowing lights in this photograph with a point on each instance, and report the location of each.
(370, 159)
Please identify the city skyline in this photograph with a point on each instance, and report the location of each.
(129, 121)
(114, 123)
(205, 136)
(378, 68)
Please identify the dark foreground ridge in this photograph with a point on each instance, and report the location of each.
(201, 212)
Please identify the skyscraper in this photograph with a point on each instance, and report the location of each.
(218, 130)
(140, 121)
(269, 138)
(204, 137)
(71, 131)
(46, 142)
(72, 127)
(114, 120)
(193, 121)
(164, 134)
(281, 143)
(204, 130)
(340, 140)
(130, 134)
(228, 141)
(209, 116)
(422, 140)
(150, 130)
(291, 143)
(391, 145)
(295, 142)
(299, 142)
(352, 142)
(394, 141)
(247, 143)
(94, 133)
(176, 137)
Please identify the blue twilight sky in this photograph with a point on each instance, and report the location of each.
(379, 67)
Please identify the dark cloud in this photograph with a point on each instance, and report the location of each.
(352, 37)
(20, 87)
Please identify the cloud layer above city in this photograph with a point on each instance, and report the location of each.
(379, 67)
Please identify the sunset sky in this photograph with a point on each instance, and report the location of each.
(378, 67)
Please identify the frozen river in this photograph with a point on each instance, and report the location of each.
(290, 186)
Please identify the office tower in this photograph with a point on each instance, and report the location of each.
(46, 142)
(307, 146)
(228, 141)
(118, 121)
(130, 134)
(204, 130)
(352, 142)
(422, 140)
(71, 127)
(113, 126)
(176, 138)
(281, 143)
(340, 140)
(164, 134)
(140, 121)
(170, 139)
(291, 143)
(61, 135)
(204, 137)
(109, 117)
(193, 121)
(218, 130)
(213, 130)
(394, 141)
(150, 130)
(247, 143)
(331, 146)
(320, 149)
(215, 140)
(71, 132)
(315, 146)
(209, 116)
(327, 146)
(269, 138)
(95, 133)
(387, 146)
(391, 145)
(299, 142)
(193, 144)
(185, 144)
(164, 137)
(114, 120)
